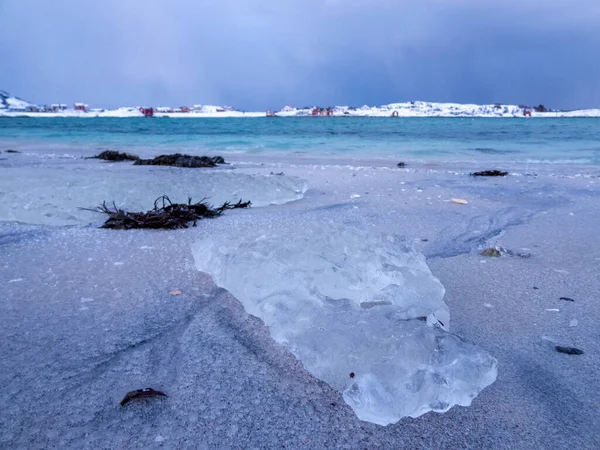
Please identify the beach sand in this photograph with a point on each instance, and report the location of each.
(88, 315)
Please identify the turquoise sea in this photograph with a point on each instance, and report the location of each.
(516, 140)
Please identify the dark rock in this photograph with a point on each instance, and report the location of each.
(566, 299)
(112, 155)
(12, 151)
(179, 160)
(489, 173)
(569, 350)
(401, 164)
(535, 288)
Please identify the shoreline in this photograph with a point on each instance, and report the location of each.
(36, 153)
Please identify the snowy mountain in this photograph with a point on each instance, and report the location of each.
(13, 103)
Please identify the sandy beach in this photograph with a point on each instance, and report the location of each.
(88, 315)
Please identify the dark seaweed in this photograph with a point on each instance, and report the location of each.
(113, 155)
(489, 173)
(169, 216)
(179, 160)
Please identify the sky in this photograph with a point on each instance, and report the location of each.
(259, 54)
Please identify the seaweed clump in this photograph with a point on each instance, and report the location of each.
(180, 160)
(165, 214)
(489, 173)
(113, 155)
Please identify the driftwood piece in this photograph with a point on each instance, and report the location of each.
(165, 215)
(141, 393)
(180, 160)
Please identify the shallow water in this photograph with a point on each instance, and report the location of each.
(514, 140)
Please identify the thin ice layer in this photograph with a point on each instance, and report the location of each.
(55, 195)
(347, 301)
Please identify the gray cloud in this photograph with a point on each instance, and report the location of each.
(259, 54)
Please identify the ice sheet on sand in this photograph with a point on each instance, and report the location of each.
(54, 195)
(347, 301)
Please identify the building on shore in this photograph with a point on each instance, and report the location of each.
(58, 107)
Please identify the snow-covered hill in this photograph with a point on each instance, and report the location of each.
(13, 106)
(14, 103)
(430, 109)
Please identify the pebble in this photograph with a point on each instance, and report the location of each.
(569, 350)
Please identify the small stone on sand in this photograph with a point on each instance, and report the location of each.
(492, 252)
(569, 350)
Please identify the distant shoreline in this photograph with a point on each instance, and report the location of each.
(15, 107)
(255, 115)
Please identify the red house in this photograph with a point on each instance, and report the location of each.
(80, 107)
(148, 112)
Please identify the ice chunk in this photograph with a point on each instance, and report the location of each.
(54, 196)
(346, 301)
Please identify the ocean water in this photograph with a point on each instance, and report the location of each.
(514, 140)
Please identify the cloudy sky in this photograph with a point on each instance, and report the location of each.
(258, 54)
